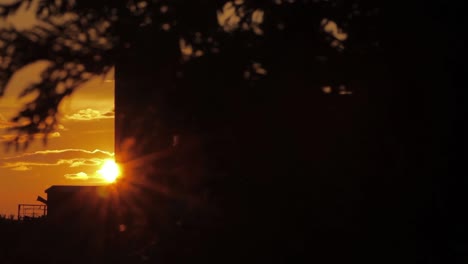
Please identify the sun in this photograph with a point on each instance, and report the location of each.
(109, 171)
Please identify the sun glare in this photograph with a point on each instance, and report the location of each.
(109, 171)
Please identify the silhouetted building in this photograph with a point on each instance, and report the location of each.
(78, 204)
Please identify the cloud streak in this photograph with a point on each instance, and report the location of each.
(73, 158)
(22, 168)
(77, 176)
(24, 138)
(90, 114)
(4, 123)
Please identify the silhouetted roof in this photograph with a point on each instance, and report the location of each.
(73, 188)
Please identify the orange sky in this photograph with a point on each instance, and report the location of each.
(73, 154)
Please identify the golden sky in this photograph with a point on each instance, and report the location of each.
(74, 153)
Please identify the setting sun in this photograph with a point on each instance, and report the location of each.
(109, 171)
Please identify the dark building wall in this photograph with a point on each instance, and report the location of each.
(259, 171)
(284, 170)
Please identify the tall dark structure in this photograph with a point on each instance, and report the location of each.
(279, 171)
(226, 171)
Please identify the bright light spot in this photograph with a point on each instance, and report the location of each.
(109, 171)
(327, 89)
(332, 28)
